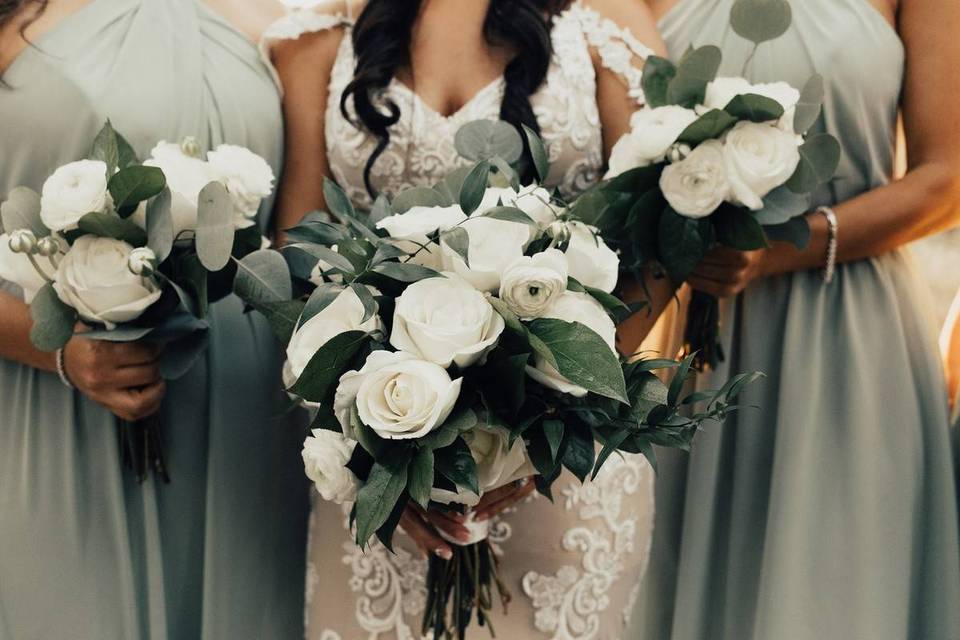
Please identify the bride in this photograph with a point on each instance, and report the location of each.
(373, 97)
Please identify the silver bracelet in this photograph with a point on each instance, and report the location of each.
(830, 267)
(62, 370)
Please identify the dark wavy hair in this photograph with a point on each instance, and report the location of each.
(10, 8)
(381, 42)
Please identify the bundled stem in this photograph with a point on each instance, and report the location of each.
(142, 448)
(702, 336)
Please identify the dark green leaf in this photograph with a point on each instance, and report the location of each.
(582, 356)
(110, 225)
(679, 379)
(657, 74)
(474, 186)
(754, 108)
(21, 210)
(337, 201)
(444, 435)
(485, 139)
(128, 157)
(761, 20)
(387, 530)
(456, 464)
(381, 209)
(131, 186)
(406, 272)
(321, 298)
(215, 228)
(263, 276)
(507, 377)
(420, 481)
(541, 161)
(419, 197)
(452, 183)
(696, 70)
(320, 252)
(458, 239)
(106, 149)
(53, 321)
(327, 365)
(366, 299)
(377, 499)
(738, 228)
(282, 317)
(709, 126)
(819, 158)
(509, 214)
(553, 430)
(782, 204)
(579, 454)
(810, 105)
(610, 445)
(160, 225)
(683, 243)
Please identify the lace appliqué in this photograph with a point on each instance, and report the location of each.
(569, 603)
(619, 49)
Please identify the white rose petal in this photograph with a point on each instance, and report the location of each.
(759, 158)
(16, 268)
(494, 245)
(325, 457)
(574, 307)
(411, 228)
(722, 90)
(592, 263)
(344, 314)
(248, 178)
(531, 284)
(697, 185)
(533, 200)
(73, 191)
(186, 177)
(95, 279)
(397, 395)
(142, 261)
(445, 321)
(652, 133)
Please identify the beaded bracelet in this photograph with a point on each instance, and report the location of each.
(62, 370)
(830, 267)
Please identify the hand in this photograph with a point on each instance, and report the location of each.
(726, 272)
(123, 377)
(424, 526)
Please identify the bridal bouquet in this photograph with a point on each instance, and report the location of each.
(715, 160)
(119, 250)
(456, 339)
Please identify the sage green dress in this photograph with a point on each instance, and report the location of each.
(828, 512)
(86, 552)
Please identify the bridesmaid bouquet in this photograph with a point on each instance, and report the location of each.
(454, 340)
(715, 160)
(119, 250)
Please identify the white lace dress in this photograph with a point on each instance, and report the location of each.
(574, 567)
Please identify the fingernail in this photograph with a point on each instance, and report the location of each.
(443, 553)
(482, 517)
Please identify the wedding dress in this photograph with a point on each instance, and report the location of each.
(574, 567)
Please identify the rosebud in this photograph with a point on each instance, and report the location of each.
(23, 241)
(142, 261)
(678, 152)
(559, 231)
(191, 147)
(48, 247)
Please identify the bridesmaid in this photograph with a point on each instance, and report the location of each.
(85, 551)
(831, 511)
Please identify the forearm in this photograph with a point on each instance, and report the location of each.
(925, 202)
(15, 342)
(657, 293)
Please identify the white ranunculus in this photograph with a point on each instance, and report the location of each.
(759, 158)
(325, 457)
(16, 268)
(186, 177)
(73, 191)
(142, 261)
(494, 245)
(592, 263)
(445, 321)
(95, 279)
(248, 178)
(397, 395)
(722, 90)
(652, 133)
(698, 184)
(411, 228)
(533, 200)
(344, 314)
(574, 307)
(498, 464)
(531, 284)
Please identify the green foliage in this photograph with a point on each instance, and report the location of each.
(541, 161)
(378, 497)
(810, 105)
(486, 139)
(761, 20)
(21, 210)
(456, 464)
(419, 197)
(420, 480)
(53, 321)
(683, 243)
(754, 108)
(160, 225)
(657, 74)
(327, 365)
(131, 186)
(474, 186)
(738, 228)
(110, 225)
(215, 227)
(781, 205)
(458, 240)
(796, 231)
(696, 70)
(710, 125)
(819, 159)
(263, 276)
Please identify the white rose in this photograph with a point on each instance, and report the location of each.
(73, 191)
(411, 228)
(698, 184)
(444, 321)
(759, 159)
(722, 90)
(531, 284)
(652, 133)
(533, 200)
(494, 245)
(95, 279)
(397, 395)
(498, 464)
(592, 263)
(574, 307)
(248, 178)
(16, 268)
(344, 314)
(325, 458)
(186, 177)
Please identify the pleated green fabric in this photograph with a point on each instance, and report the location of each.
(86, 552)
(829, 512)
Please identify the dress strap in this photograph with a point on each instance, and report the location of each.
(620, 50)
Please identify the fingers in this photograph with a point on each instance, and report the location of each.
(721, 255)
(424, 535)
(135, 404)
(517, 492)
(136, 376)
(447, 523)
(713, 287)
(721, 273)
(132, 354)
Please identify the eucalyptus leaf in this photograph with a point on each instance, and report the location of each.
(160, 225)
(796, 231)
(696, 70)
(819, 158)
(810, 104)
(53, 321)
(377, 498)
(263, 276)
(458, 239)
(485, 139)
(110, 225)
(381, 209)
(179, 356)
(582, 356)
(781, 205)
(474, 186)
(755, 108)
(215, 228)
(761, 20)
(420, 478)
(134, 184)
(505, 175)
(451, 184)
(419, 197)
(709, 126)
(541, 160)
(327, 365)
(21, 210)
(657, 74)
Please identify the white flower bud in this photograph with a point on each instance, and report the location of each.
(23, 241)
(142, 261)
(191, 147)
(678, 152)
(559, 231)
(48, 247)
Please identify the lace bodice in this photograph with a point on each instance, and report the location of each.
(421, 149)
